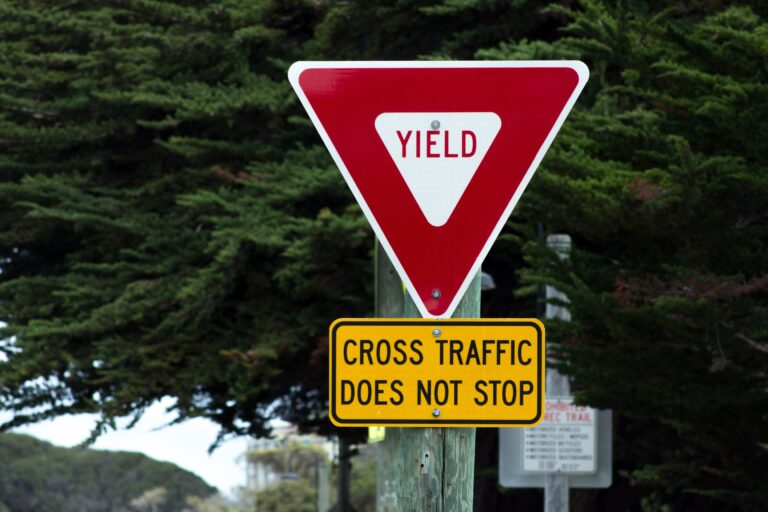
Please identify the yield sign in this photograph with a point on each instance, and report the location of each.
(437, 154)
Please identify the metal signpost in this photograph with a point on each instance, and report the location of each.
(437, 154)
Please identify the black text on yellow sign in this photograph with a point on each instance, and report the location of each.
(447, 373)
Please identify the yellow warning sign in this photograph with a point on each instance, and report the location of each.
(447, 373)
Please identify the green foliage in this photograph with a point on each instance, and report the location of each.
(39, 477)
(170, 225)
(300, 461)
(212, 504)
(288, 496)
(157, 220)
(301, 494)
(296, 465)
(291, 458)
(661, 177)
(152, 500)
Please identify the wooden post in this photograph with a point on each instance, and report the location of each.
(389, 304)
(423, 469)
(435, 467)
(557, 488)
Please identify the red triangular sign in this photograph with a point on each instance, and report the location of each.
(438, 153)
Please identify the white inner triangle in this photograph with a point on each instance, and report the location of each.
(437, 154)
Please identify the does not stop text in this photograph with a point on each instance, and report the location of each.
(388, 372)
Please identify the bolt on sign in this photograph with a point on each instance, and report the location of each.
(437, 154)
(446, 373)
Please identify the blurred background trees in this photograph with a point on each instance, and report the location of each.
(39, 477)
(297, 466)
(172, 226)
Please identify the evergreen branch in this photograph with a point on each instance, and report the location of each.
(762, 347)
(36, 114)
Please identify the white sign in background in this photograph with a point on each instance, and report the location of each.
(565, 441)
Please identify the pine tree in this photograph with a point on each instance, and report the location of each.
(171, 225)
(141, 257)
(661, 178)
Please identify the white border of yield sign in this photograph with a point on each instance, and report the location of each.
(293, 76)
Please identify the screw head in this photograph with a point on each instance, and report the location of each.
(436, 332)
(436, 293)
(435, 124)
(435, 412)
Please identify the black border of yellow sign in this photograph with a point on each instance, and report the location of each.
(479, 422)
